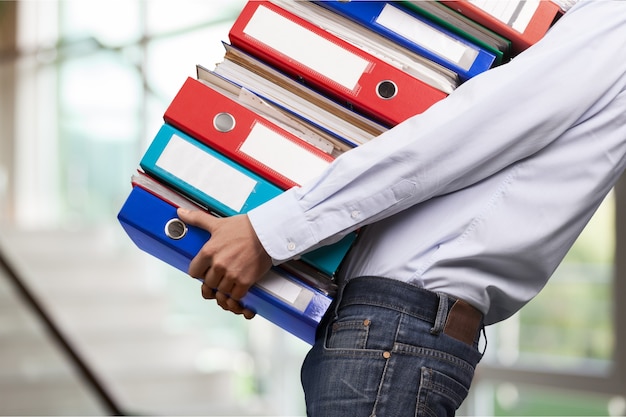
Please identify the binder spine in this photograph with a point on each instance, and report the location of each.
(364, 83)
(417, 34)
(205, 175)
(244, 136)
(281, 297)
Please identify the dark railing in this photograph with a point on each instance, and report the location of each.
(89, 377)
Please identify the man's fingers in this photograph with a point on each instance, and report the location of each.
(198, 218)
(226, 286)
(230, 262)
(200, 267)
(236, 307)
(226, 302)
(221, 299)
(248, 314)
(211, 274)
(208, 293)
(239, 291)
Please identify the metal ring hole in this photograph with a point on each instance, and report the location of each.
(224, 122)
(175, 229)
(386, 89)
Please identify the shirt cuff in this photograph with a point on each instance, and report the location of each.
(282, 227)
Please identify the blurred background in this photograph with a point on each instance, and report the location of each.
(90, 325)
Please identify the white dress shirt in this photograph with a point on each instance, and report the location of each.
(482, 195)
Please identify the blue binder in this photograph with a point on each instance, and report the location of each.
(414, 32)
(222, 185)
(280, 297)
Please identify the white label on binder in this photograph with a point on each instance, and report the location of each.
(284, 156)
(297, 296)
(427, 37)
(514, 13)
(309, 49)
(207, 173)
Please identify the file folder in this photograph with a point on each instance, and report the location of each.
(325, 140)
(244, 136)
(322, 60)
(463, 26)
(289, 119)
(417, 34)
(204, 175)
(280, 297)
(375, 44)
(221, 185)
(523, 22)
(349, 127)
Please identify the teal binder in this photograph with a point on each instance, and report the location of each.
(223, 186)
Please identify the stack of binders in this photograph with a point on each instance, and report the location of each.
(301, 83)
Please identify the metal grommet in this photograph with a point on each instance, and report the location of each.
(224, 122)
(386, 89)
(175, 229)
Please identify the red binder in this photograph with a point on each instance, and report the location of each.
(244, 136)
(369, 85)
(524, 24)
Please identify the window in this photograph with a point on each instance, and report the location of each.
(560, 354)
(82, 93)
(92, 81)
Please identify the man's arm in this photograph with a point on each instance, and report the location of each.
(490, 122)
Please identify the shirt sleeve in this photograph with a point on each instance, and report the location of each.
(490, 122)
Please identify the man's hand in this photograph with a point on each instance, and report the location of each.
(231, 261)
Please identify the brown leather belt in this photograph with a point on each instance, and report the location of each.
(464, 322)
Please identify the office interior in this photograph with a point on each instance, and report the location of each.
(91, 325)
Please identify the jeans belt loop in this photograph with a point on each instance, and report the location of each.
(442, 312)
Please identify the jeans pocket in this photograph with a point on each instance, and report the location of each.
(350, 334)
(439, 395)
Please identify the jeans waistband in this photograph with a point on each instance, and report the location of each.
(447, 314)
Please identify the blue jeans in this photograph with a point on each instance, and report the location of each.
(383, 350)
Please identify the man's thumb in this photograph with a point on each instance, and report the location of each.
(197, 218)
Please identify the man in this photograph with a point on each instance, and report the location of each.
(465, 211)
